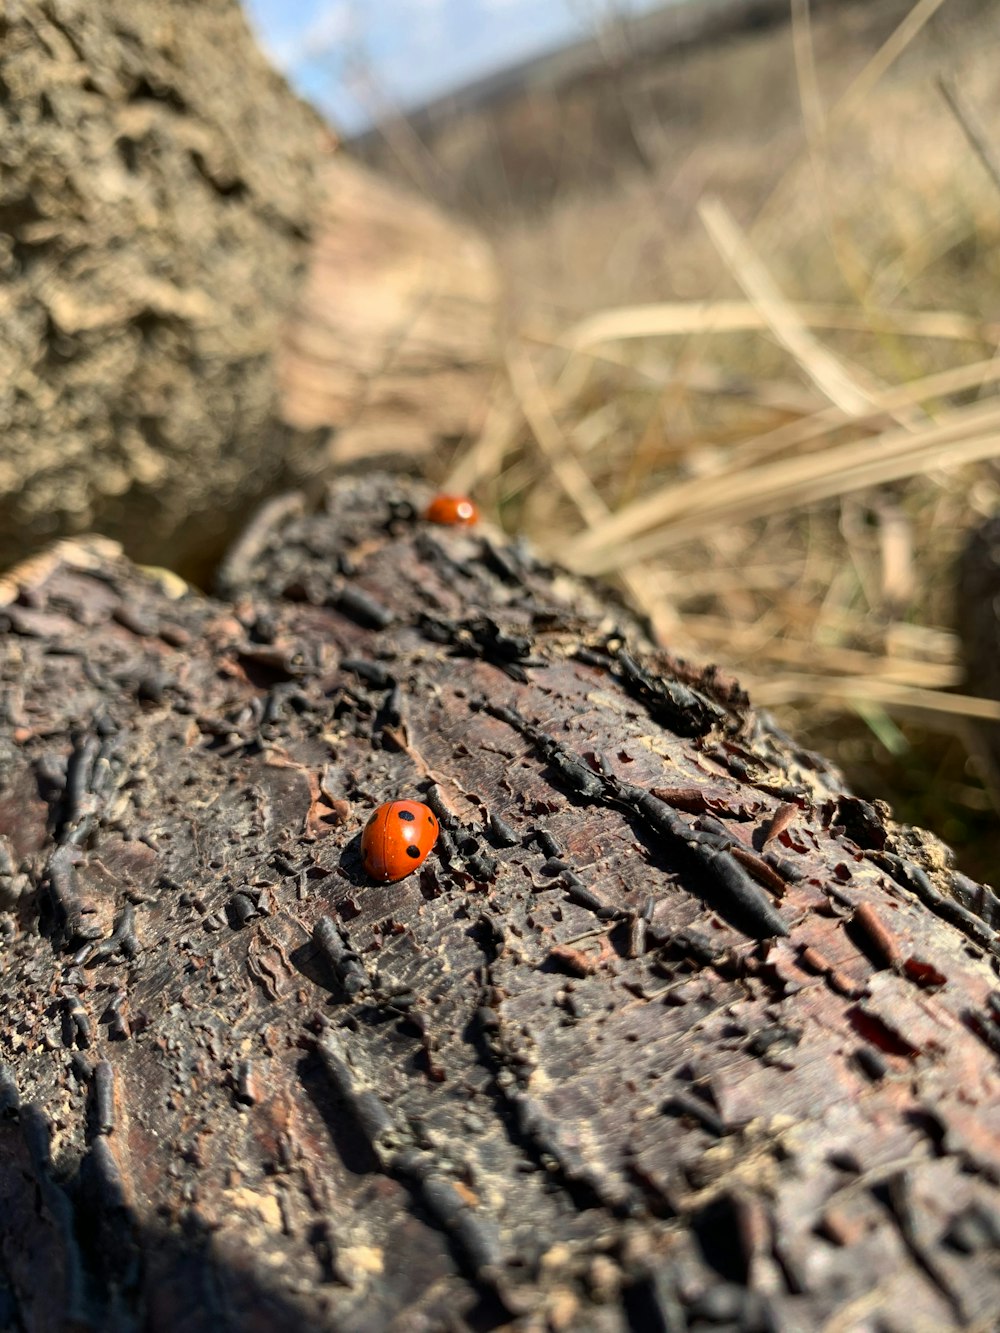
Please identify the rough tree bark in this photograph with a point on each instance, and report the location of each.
(670, 1032)
(160, 192)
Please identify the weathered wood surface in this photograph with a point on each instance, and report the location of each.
(669, 1033)
(392, 342)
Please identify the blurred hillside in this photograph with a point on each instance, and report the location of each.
(631, 96)
(587, 165)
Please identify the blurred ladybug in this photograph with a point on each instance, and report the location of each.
(452, 511)
(397, 839)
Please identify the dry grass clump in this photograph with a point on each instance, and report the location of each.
(779, 474)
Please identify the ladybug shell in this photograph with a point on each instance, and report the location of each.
(397, 839)
(452, 510)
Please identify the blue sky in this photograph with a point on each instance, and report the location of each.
(351, 56)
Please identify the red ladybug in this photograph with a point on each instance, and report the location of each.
(397, 839)
(452, 511)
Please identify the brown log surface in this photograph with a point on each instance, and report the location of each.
(670, 1032)
(393, 339)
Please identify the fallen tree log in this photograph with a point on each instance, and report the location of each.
(669, 1032)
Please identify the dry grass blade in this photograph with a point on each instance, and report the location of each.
(979, 140)
(590, 338)
(805, 69)
(577, 485)
(679, 318)
(895, 534)
(817, 362)
(890, 51)
(887, 694)
(754, 643)
(767, 491)
(851, 103)
(770, 488)
(550, 438)
(795, 433)
(484, 458)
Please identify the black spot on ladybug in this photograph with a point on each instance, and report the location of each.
(431, 819)
(408, 815)
(414, 852)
